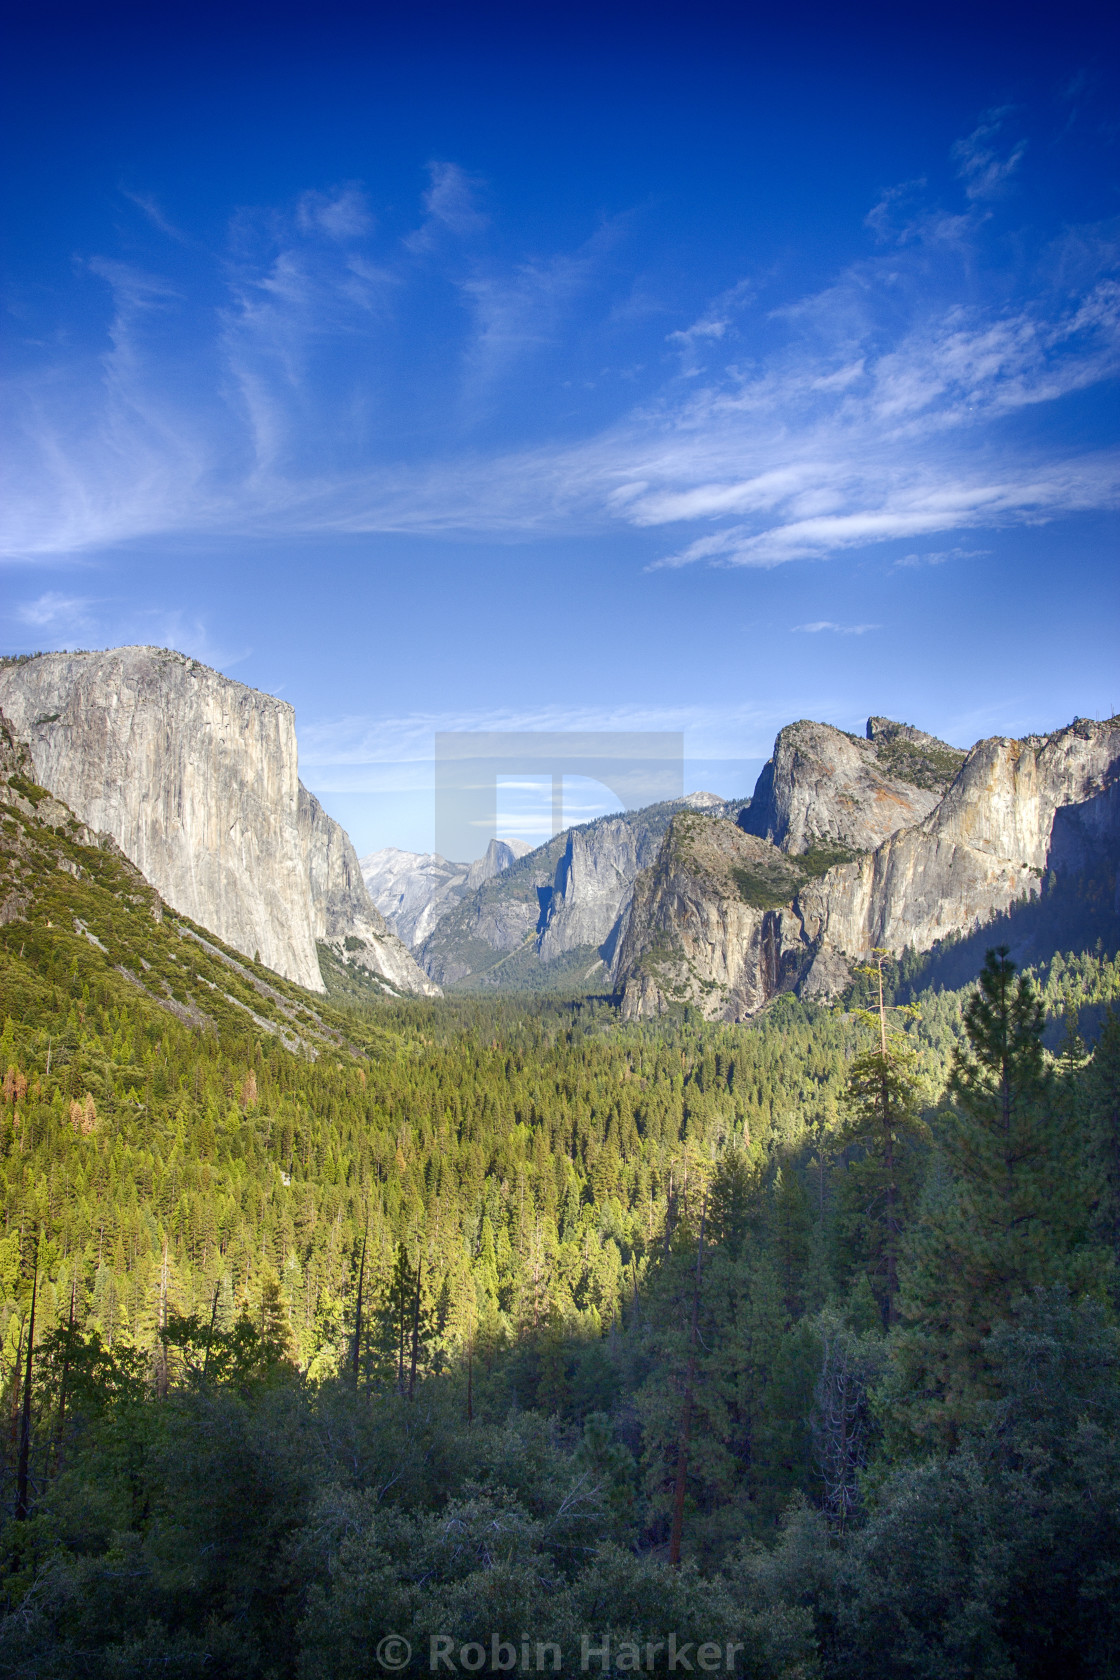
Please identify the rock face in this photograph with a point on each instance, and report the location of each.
(569, 896)
(21, 791)
(195, 778)
(823, 787)
(343, 914)
(413, 890)
(593, 883)
(499, 856)
(987, 843)
(1014, 810)
(488, 924)
(700, 930)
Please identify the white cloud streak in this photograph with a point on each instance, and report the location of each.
(361, 744)
(906, 401)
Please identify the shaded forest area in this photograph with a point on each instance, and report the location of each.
(498, 1320)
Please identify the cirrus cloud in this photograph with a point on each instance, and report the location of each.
(907, 401)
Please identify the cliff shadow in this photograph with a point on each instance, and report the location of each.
(1077, 909)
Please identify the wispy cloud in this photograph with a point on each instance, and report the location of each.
(520, 311)
(451, 203)
(350, 748)
(711, 327)
(839, 629)
(938, 557)
(55, 613)
(146, 203)
(57, 620)
(983, 166)
(906, 402)
(342, 215)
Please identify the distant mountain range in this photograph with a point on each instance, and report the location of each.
(412, 890)
(542, 918)
(894, 840)
(891, 840)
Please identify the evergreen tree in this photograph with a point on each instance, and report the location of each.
(1103, 1093)
(1010, 1213)
(877, 1192)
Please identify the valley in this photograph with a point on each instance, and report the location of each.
(584, 1241)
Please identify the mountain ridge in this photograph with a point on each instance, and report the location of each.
(195, 776)
(722, 937)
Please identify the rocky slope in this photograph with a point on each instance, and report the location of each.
(71, 895)
(559, 908)
(593, 882)
(503, 914)
(825, 787)
(707, 925)
(987, 843)
(343, 914)
(413, 890)
(1013, 810)
(195, 778)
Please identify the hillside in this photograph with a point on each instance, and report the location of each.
(195, 778)
(369, 1318)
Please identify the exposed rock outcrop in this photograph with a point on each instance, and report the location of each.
(823, 787)
(570, 895)
(195, 777)
(499, 856)
(344, 915)
(986, 844)
(594, 881)
(701, 932)
(412, 889)
(1014, 810)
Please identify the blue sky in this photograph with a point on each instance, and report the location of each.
(672, 368)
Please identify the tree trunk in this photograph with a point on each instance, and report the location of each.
(358, 1313)
(65, 1374)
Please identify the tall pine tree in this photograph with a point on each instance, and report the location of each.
(1008, 1209)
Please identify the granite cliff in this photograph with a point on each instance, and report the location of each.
(725, 928)
(413, 890)
(825, 787)
(1000, 826)
(710, 924)
(195, 777)
(556, 914)
(343, 915)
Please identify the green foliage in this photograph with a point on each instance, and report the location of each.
(1012, 1213)
(228, 1473)
(764, 886)
(884, 1135)
(770, 885)
(925, 764)
(27, 789)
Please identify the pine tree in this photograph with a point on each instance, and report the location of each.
(1010, 1213)
(1103, 1083)
(877, 1192)
(883, 1125)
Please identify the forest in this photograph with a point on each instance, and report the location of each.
(489, 1333)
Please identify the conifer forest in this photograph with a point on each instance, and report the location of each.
(493, 1330)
